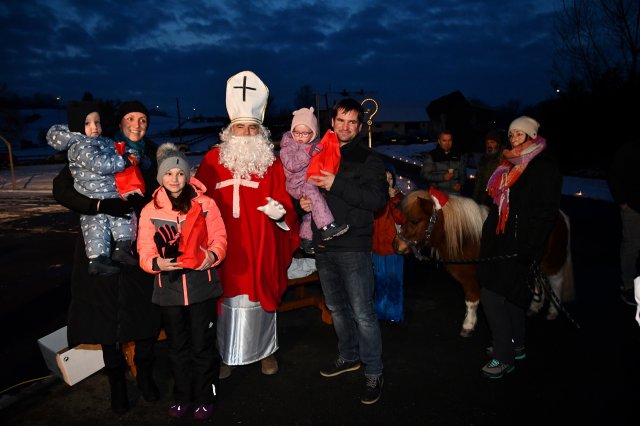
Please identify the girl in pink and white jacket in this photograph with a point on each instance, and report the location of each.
(181, 238)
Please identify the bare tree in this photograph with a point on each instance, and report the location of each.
(598, 40)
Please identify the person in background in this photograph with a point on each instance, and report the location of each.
(486, 166)
(298, 147)
(114, 309)
(624, 183)
(344, 263)
(387, 265)
(526, 189)
(94, 163)
(246, 180)
(444, 167)
(182, 238)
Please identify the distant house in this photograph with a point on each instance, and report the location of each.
(400, 125)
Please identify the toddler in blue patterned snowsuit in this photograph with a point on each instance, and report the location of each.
(93, 162)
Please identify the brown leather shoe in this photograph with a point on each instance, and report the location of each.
(269, 365)
(225, 370)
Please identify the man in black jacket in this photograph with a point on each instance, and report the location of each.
(345, 263)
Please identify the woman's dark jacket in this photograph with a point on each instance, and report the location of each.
(359, 190)
(115, 308)
(534, 203)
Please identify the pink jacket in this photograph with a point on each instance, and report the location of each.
(186, 286)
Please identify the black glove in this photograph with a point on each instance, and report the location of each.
(167, 240)
(137, 201)
(115, 207)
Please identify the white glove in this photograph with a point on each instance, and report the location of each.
(273, 209)
(636, 291)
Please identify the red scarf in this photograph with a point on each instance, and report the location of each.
(515, 162)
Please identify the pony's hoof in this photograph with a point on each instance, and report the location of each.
(551, 316)
(466, 332)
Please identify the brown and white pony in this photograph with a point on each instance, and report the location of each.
(453, 233)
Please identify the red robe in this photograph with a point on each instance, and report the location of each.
(259, 252)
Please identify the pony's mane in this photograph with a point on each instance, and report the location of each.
(463, 219)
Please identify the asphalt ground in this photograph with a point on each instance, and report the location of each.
(432, 376)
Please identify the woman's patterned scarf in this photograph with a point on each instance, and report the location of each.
(514, 163)
(137, 149)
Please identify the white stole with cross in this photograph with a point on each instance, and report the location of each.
(237, 182)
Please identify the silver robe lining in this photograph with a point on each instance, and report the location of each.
(246, 332)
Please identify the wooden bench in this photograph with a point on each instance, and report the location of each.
(303, 298)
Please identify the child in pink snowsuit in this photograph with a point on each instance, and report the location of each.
(296, 149)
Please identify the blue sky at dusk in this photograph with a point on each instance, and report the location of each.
(402, 52)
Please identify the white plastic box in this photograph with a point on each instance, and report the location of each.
(71, 365)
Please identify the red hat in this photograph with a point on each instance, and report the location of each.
(439, 198)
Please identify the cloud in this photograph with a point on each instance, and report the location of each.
(407, 51)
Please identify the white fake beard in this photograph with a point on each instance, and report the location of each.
(246, 155)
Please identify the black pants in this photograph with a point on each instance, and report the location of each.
(507, 324)
(194, 359)
(114, 358)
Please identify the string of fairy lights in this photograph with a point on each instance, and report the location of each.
(405, 185)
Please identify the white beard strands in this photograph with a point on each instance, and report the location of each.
(246, 155)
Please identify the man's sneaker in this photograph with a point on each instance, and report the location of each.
(519, 350)
(338, 367)
(179, 410)
(495, 369)
(101, 265)
(372, 389)
(332, 230)
(203, 412)
(628, 297)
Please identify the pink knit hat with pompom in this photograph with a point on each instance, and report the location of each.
(305, 116)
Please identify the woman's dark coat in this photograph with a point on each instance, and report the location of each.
(534, 202)
(108, 309)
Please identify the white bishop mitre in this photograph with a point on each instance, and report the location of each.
(246, 98)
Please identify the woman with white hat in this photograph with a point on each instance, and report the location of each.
(525, 189)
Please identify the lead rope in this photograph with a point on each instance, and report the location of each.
(539, 283)
(422, 258)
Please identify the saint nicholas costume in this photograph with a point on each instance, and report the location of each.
(254, 273)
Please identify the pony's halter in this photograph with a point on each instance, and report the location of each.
(413, 244)
(432, 224)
